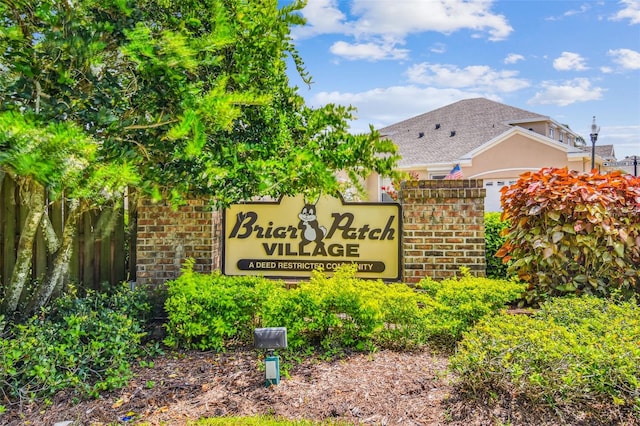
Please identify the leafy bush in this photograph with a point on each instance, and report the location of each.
(207, 311)
(493, 228)
(575, 351)
(81, 343)
(335, 313)
(458, 303)
(344, 312)
(573, 233)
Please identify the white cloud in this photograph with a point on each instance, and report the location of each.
(368, 51)
(512, 58)
(630, 11)
(583, 9)
(446, 16)
(438, 48)
(384, 106)
(627, 59)
(569, 61)
(323, 17)
(381, 21)
(566, 93)
(478, 77)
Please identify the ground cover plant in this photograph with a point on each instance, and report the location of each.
(574, 355)
(86, 344)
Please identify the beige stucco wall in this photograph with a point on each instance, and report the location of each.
(514, 156)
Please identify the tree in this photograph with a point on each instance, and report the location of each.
(185, 98)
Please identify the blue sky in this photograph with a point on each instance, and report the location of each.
(395, 59)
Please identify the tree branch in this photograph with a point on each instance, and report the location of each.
(150, 126)
(50, 237)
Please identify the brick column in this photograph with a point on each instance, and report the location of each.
(167, 236)
(443, 228)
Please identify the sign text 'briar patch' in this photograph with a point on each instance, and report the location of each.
(291, 238)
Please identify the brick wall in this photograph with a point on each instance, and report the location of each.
(443, 228)
(167, 236)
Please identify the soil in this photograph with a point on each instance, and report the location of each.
(382, 388)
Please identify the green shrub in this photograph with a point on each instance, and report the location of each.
(209, 311)
(335, 313)
(493, 228)
(573, 233)
(581, 351)
(458, 303)
(331, 312)
(81, 343)
(344, 312)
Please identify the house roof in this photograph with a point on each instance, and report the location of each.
(605, 151)
(429, 138)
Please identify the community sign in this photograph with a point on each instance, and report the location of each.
(291, 237)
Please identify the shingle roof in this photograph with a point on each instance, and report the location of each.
(474, 121)
(605, 151)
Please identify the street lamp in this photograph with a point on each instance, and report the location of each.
(595, 129)
(635, 164)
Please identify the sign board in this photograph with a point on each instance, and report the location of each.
(291, 238)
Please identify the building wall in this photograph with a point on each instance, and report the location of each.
(513, 156)
(166, 237)
(443, 229)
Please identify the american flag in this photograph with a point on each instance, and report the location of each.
(455, 173)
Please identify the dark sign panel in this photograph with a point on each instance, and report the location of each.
(291, 238)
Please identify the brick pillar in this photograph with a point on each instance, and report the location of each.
(167, 236)
(443, 228)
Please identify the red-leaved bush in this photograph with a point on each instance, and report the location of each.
(573, 232)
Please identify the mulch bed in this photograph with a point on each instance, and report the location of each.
(383, 388)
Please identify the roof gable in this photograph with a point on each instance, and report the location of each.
(528, 134)
(451, 132)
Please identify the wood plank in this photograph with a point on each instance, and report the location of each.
(9, 218)
(131, 207)
(118, 250)
(85, 274)
(104, 256)
(75, 264)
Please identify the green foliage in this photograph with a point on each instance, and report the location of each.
(85, 344)
(458, 303)
(334, 313)
(179, 99)
(343, 312)
(199, 105)
(574, 351)
(493, 229)
(210, 311)
(573, 233)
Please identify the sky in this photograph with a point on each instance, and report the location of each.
(395, 59)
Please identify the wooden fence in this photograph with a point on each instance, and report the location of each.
(100, 250)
